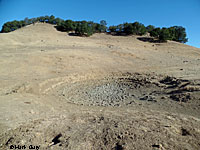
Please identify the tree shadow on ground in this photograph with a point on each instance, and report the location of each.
(72, 34)
(117, 34)
(149, 39)
(68, 33)
(58, 28)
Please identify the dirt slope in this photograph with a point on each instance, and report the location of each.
(99, 92)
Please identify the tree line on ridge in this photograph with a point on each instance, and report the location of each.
(88, 28)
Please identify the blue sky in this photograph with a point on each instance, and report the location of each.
(161, 13)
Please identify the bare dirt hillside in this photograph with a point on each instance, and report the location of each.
(100, 92)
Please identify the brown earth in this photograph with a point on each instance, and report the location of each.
(100, 92)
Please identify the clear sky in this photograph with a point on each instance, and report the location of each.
(160, 13)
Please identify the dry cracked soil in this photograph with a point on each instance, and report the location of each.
(97, 93)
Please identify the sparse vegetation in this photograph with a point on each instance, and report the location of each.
(87, 28)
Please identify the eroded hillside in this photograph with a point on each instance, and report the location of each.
(100, 92)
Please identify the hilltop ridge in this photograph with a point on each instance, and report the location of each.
(88, 28)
